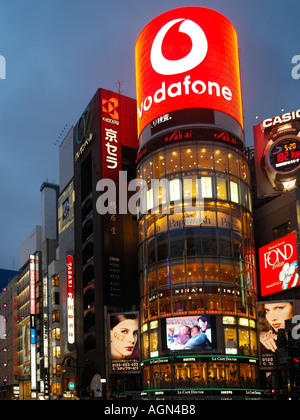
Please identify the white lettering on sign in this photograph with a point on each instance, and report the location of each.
(111, 148)
(275, 256)
(280, 119)
(186, 87)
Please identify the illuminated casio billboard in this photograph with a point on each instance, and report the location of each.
(277, 154)
(187, 59)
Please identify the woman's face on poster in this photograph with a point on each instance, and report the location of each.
(124, 337)
(277, 313)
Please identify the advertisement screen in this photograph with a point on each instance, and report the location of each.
(278, 262)
(277, 154)
(272, 316)
(123, 339)
(190, 333)
(187, 58)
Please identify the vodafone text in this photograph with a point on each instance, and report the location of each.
(185, 87)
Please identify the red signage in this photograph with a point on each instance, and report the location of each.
(278, 263)
(187, 58)
(70, 299)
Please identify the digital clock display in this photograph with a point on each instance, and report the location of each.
(284, 155)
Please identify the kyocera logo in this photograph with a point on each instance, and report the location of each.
(110, 107)
(195, 56)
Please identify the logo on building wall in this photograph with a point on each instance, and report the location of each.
(110, 106)
(192, 59)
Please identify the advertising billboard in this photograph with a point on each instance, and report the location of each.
(123, 342)
(272, 316)
(190, 333)
(187, 58)
(278, 263)
(70, 299)
(277, 154)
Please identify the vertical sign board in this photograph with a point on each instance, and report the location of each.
(70, 300)
(278, 262)
(32, 279)
(111, 162)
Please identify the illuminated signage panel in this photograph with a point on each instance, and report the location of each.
(190, 333)
(123, 339)
(70, 299)
(278, 263)
(187, 58)
(277, 154)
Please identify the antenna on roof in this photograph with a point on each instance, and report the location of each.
(119, 83)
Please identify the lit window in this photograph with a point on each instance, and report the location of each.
(234, 192)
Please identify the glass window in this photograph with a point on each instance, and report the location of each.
(182, 373)
(177, 246)
(151, 280)
(209, 241)
(198, 373)
(164, 297)
(206, 187)
(148, 170)
(226, 271)
(188, 158)
(220, 159)
(195, 300)
(163, 276)
(194, 272)
(159, 165)
(244, 342)
(205, 157)
(161, 223)
(221, 188)
(165, 375)
(234, 192)
(212, 299)
(179, 301)
(231, 374)
(216, 375)
(193, 243)
(228, 301)
(225, 243)
(211, 271)
(153, 305)
(153, 343)
(151, 251)
(234, 163)
(236, 218)
(162, 247)
(230, 336)
(172, 161)
(175, 189)
(177, 272)
(145, 345)
(253, 343)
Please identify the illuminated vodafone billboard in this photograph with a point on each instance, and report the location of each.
(186, 59)
(278, 262)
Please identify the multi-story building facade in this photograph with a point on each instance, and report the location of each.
(196, 245)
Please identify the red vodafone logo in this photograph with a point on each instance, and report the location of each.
(195, 56)
(187, 58)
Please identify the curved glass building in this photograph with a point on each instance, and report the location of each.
(196, 246)
(196, 264)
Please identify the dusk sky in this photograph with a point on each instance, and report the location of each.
(59, 52)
